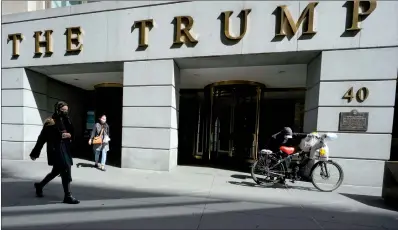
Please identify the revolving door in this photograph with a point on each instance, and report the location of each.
(229, 121)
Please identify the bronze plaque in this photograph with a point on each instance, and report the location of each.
(354, 121)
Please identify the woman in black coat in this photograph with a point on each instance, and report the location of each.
(58, 133)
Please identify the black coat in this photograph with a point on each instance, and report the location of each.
(279, 139)
(276, 141)
(58, 149)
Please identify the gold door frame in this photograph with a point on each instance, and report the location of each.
(258, 108)
(259, 90)
(236, 82)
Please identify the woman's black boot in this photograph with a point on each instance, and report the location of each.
(69, 199)
(39, 190)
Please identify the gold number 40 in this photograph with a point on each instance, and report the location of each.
(361, 95)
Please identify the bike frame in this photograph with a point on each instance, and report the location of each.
(319, 145)
(316, 149)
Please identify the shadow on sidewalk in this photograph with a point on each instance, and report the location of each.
(7, 174)
(22, 193)
(179, 214)
(17, 191)
(85, 165)
(241, 176)
(275, 186)
(114, 208)
(374, 201)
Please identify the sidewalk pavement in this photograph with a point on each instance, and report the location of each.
(185, 198)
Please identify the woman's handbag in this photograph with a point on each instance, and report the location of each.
(98, 139)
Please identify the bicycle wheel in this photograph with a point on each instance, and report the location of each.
(327, 170)
(266, 171)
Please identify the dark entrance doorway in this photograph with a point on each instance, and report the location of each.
(220, 125)
(232, 120)
(109, 101)
(226, 123)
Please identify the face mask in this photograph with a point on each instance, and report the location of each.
(63, 113)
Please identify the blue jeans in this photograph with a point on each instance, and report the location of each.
(103, 156)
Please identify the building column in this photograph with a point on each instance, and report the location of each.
(361, 154)
(150, 115)
(24, 107)
(27, 99)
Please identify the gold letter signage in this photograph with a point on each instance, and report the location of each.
(47, 43)
(16, 39)
(361, 95)
(243, 26)
(77, 31)
(181, 34)
(307, 16)
(286, 25)
(144, 26)
(357, 16)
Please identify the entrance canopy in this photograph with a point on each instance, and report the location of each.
(84, 76)
(274, 70)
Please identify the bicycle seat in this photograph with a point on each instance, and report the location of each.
(287, 150)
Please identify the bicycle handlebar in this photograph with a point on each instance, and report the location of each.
(301, 134)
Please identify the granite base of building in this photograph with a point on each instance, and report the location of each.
(390, 183)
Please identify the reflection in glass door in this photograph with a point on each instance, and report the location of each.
(222, 122)
(245, 122)
(229, 120)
